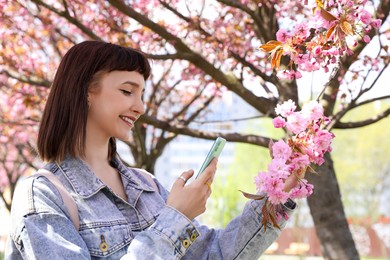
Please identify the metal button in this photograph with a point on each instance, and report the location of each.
(194, 237)
(103, 245)
(185, 243)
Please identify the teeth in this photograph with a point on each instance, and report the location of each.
(128, 120)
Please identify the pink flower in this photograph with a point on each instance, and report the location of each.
(274, 190)
(300, 162)
(286, 74)
(296, 123)
(303, 190)
(365, 17)
(277, 196)
(326, 69)
(317, 50)
(281, 150)
(349, 3)
(260, 179)
(331, 52)
(301, 58)
(278, 122)
(313, 110)
(307, 144)
(282, 35)
(4, 139)
(323, 139)
(298, 74)
(376, 23)
(309, 66)
(22, 137)
(278, 168)
(302, 30)
(366, 39)
(349, 52)
(286, 108)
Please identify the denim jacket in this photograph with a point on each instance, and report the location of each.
(143, 227)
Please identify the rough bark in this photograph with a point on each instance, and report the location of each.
(328, 214)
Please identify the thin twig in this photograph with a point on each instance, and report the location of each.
(331, 76)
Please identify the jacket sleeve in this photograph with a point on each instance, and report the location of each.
(40, 225)
(243, 238)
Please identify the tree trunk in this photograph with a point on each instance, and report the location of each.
(328, 214)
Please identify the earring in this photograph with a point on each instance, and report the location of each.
(88, 102)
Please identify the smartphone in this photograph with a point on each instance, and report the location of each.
(215, 151)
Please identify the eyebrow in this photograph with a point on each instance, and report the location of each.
(131, 83)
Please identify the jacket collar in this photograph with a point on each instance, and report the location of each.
(86, 183)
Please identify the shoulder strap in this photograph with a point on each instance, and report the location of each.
(69, 202)
(149, 177)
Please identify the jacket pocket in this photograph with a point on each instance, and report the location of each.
(104, 239)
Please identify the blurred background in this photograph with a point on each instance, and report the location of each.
(209, 79)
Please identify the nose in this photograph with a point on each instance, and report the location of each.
(139, 106)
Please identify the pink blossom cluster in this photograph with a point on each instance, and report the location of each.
(333, 31)
(306, 144)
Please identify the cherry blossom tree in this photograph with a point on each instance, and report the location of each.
(200, 49)
(19, 118)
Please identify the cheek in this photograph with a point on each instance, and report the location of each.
(100, 110)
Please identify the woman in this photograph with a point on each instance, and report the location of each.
(95, 99)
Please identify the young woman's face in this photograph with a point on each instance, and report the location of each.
(115, 105)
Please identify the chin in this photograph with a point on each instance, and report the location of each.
(124, 138)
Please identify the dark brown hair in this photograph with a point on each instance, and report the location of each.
(63, 126)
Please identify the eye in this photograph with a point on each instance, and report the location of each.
(126, 93)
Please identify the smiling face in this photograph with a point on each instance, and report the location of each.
(115, 104)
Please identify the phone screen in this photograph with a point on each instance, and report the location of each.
(215, 151)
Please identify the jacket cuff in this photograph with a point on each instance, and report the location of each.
(176, 228)
(285, 210)
(289, 205)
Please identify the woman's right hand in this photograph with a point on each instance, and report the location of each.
(191, 199)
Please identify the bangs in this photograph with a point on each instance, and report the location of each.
(126, 59)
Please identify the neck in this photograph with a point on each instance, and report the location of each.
(96, 155)
(96, 151)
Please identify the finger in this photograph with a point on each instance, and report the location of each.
(290, 182)
(208, 192)
(209, 171)
(188, 174)
(183, 178)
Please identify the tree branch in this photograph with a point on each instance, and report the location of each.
(65, 14)
(349, 125)
(258, 19)
(173, 10)
(235, 55)
(230, 81)
(184, 130)
(367, 101)
(174, 56)
(229, 120)
(199, 110)
(33, 80)
(273, 79)
(353, 104)
(362, 91)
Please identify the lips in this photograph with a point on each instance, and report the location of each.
(129, 120)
